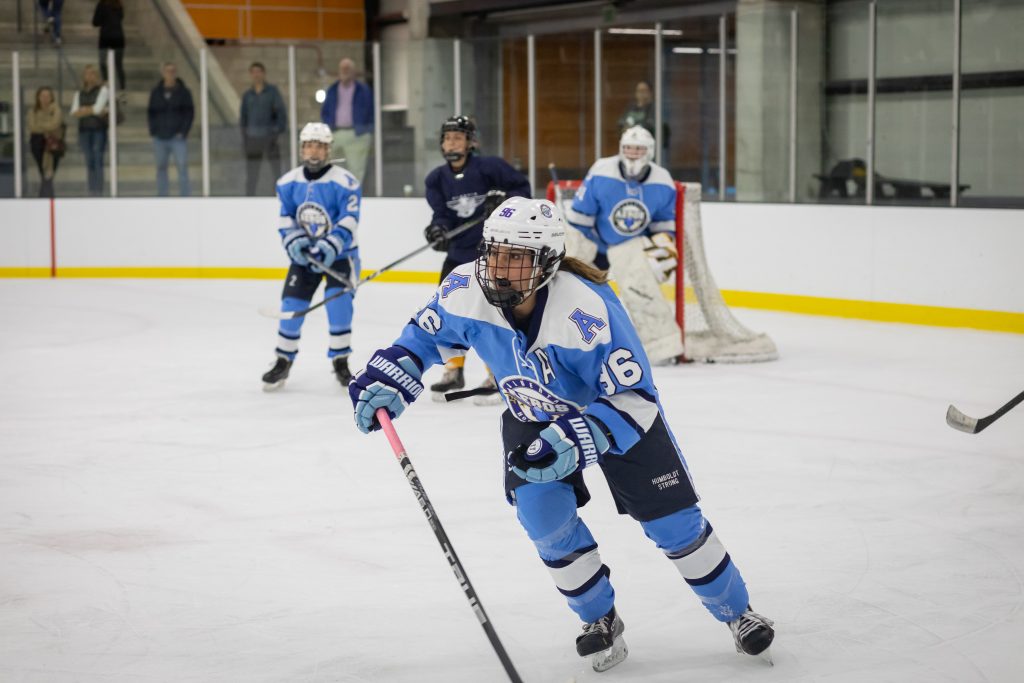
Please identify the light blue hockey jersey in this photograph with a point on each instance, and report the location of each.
(581, 352)
(326, 206)
(609, 209)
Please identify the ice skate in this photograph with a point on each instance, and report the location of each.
(274, 378)
(753, 634)
(489, 396)
(602, 641)
(452, 380)
(341, 370)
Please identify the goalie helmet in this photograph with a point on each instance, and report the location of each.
(637, 136)
(523, 244)
(315, 131)
(459, 124)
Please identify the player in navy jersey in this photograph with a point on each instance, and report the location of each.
(626, 211)
(579, 392)
(319, 216)
(465, 187)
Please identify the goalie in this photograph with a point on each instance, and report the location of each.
(625, 219)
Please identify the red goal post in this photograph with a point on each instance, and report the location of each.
(710, 332)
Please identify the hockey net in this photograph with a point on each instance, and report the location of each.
(711, 333)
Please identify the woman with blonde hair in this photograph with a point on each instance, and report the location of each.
(46, 137)
(89, 107)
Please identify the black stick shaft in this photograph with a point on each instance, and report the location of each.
(986, 421)
(380, 271)
(446, 545)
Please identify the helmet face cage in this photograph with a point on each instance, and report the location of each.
(509, 273)
(459, 124)
(319, 133)
(637, 136)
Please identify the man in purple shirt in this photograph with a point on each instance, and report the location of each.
(348, 110)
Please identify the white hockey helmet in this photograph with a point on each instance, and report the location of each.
(637, 136)
(314, 131)
(523, 243)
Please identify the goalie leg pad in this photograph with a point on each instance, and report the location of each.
(640, 291)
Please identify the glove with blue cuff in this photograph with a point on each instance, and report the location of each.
(297, 243)
(325, 251)
(570, 443)
(391, 380)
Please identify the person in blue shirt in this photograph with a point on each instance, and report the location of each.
(320, 205)
(348, 110)
(467, 186)
(579, 392)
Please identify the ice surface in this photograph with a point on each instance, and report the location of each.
(163, 519)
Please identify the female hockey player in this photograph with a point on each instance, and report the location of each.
(579, 392)
(319, 216)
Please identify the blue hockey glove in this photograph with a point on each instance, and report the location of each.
(325, 251)
(391, 380)
(297, 243)
(568, 444)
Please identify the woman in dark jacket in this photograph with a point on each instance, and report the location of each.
(109, 16)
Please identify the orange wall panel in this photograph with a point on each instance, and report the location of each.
(280, 19)
(344, 26)
(217, 23)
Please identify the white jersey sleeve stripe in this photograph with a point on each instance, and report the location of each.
(580, 218)
(663, 226)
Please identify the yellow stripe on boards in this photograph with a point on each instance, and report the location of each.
(997, 321)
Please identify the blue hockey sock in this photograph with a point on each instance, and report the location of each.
(566, 546)
(688, 540)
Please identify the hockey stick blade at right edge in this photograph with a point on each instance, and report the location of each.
(961, 422)
(964, 423)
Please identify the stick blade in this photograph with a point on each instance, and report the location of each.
(961, 422)
(275, 313)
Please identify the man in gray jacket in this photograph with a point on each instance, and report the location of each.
(262, 119)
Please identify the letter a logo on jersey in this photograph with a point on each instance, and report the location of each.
(453, 282)
(587, 324)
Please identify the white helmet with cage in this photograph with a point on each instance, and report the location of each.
(523, 243)
(634, 166)
(314, 131)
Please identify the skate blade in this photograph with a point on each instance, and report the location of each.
(273, 386)
(767, 656)
(602, 661)
(488, 399)
(437, 397)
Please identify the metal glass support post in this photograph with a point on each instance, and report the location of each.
(16, 116)
(204, 120)
(112, 121)
(597, 93)
(872, 34)
(794, 42)
(293, 130)
(500, 79)
(457, 61)
(658, 68)
(954, 171)
(722, 161)
(531, 108)
(378, 147)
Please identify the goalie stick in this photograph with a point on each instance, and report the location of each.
(446, 545)
(973, 425)
(277, 314)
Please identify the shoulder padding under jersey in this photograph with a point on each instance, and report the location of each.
(460, 294)
(571, 302)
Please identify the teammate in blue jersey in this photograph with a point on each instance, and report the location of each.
(319, 216)
(626, 211)
(467, 186)
(579, 392)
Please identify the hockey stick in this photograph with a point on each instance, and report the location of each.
(973, 425)
(278, 314)
(446, 545)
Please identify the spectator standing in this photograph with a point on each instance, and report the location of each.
(641, 113)
(262, 119)
(89, 106)
(170, 115)
(46, 137)
(109, 17)
(51, 12)
(348, 110)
